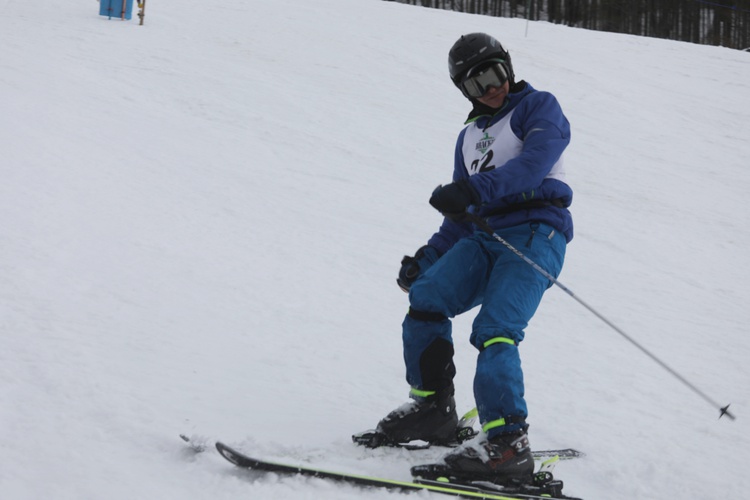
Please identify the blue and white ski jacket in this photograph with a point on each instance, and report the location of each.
(514, 160)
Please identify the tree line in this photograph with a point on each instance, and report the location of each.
(710, 22)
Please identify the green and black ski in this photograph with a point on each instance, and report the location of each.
(441, 485)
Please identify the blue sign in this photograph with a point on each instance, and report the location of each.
(114, 8)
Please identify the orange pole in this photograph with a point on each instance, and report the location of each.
(142, 13)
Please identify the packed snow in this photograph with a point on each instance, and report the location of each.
(202, 219)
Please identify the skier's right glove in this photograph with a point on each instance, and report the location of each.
(413, 267)
(453, 199)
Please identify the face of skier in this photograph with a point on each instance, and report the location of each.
(495, 96)
(487, 82)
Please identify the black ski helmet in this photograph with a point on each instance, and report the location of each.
(474, 49)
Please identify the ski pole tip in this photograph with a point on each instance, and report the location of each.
(725, 411)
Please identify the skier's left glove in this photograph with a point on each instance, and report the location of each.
(413, 267)
(453, 199)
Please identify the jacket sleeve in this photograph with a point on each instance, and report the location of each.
(450, 232)
(540, 123)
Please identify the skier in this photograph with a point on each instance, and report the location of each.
(508, 170)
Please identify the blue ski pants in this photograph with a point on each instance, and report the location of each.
(480, 271)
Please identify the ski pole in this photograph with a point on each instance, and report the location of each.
(484, 226)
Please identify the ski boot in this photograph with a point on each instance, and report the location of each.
(505, 459)
(432, 419)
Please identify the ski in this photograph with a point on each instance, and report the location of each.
(437, 486)
(375, 439)
(464, 432)
(543, 484)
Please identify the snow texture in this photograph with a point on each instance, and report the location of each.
(202, 219)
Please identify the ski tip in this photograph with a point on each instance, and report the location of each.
(227, 452)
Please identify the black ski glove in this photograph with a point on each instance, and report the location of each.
(412, 267)
(453, 199)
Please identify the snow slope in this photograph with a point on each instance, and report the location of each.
(202, 219)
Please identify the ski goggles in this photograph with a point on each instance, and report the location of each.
(479, 80)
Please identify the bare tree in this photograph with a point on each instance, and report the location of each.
(713, 22)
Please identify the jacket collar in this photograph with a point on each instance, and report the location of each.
(484, 114)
